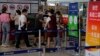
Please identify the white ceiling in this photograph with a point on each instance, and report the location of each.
(48, 0)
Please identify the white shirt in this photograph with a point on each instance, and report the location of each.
(47, 20)
(22, 20)
(16, 18)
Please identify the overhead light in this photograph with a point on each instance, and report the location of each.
(51, 4)
(64, 4)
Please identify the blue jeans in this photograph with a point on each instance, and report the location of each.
(58, 41)
(5, 31)
(16, 34)
(22, 33)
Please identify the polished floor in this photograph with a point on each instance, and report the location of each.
(23, 47)
(60, 52)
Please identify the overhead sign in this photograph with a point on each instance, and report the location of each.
(73, 19)
(73, 9)
(93, 29)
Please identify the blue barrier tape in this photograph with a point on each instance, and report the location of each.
(2, 53)
(70, 48)
(30, 31)
(87, 47)
(82, 47)
(20, 51)
(72, 36)
(51, 49)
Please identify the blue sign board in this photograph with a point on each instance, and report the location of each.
(73, 9)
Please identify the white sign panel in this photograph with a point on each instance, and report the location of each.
(11, 8)
(34, 8)
(20, 1)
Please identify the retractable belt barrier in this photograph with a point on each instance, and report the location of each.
(41, 50)
(21, 51)
(31, 31)
(47, 49)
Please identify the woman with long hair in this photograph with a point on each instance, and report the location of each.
(5, 21)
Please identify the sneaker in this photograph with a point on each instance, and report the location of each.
(35, 44)
(58, 46)
(18, 47)
(43, 44)
(76, 54)
(2, 45)
(29, 46)
(5, 46)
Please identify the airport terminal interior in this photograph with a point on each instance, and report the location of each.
(49, 27)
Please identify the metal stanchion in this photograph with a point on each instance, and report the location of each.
(43, 49)
(39, 43)
(43, 53)
(79, 38)
(79, 42)
(65, 34)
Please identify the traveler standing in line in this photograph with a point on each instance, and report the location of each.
(5, 21)
(22, 28)
(52, 27)
(0, 32)
(16, 18)
(46, 20)
(59, 27)
(16, 22)
(38, 26)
